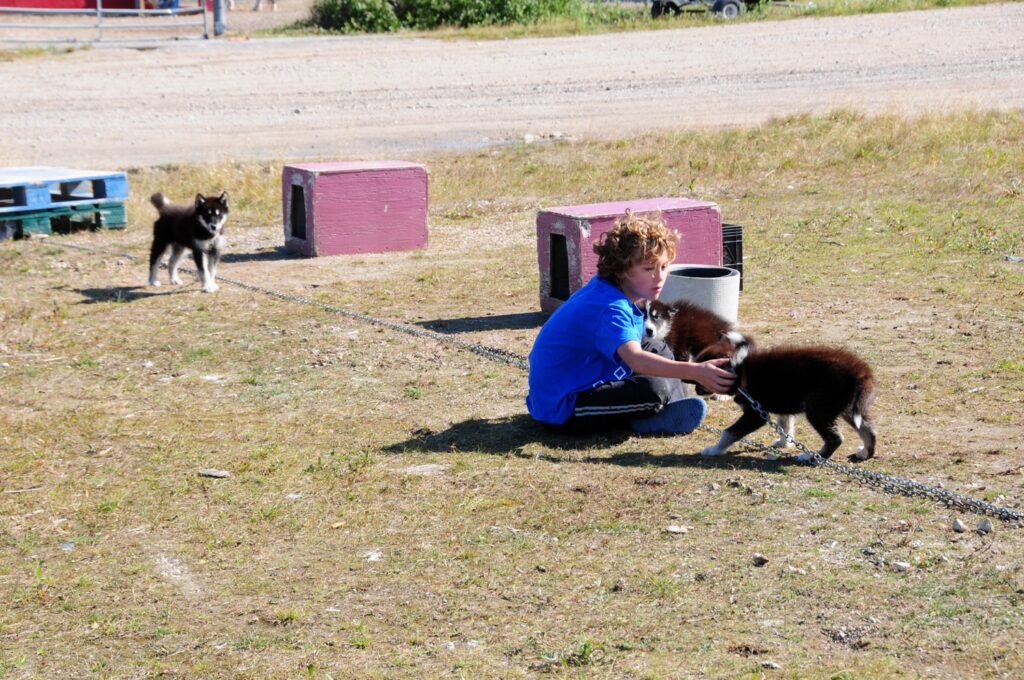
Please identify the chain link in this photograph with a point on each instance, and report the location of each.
(878, 480)
(887, 483)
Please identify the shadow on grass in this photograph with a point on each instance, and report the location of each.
(733, 461)
(262, 255)
(501, 436)
(510, 436)
(127, 293)
(486, 323)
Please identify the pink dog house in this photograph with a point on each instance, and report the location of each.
(565, 238)
(354, 207)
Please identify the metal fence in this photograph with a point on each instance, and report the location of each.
(169, 16)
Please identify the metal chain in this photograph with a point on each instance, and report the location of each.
(488, 352)
(887, 483)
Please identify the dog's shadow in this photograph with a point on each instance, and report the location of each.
(125, 293)
(523, 437)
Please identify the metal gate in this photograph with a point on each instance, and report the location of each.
(172, 17)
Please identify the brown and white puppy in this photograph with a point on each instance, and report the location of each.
(686, 327)
(689, 329)
(823, 383)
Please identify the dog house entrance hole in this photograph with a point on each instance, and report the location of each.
(559, 267)
(298, 216)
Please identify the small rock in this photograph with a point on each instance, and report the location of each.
(770, 665)
(620, 585)
(759, 560)
(677, 529)
(985, 526)
(796, 570)
(900, 566)
(373, 555)
(958, 526)
(216, 474)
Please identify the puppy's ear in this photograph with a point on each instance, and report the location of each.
(200, 199)
(224, 199)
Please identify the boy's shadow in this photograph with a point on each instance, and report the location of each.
(500, 437)
(511, 436)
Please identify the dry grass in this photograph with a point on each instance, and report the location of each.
(329, 551)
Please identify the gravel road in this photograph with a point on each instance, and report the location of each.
(378, 96)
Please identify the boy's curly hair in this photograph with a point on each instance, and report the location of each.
(633, 239)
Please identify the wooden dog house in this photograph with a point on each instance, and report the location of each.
(354, 207)
(566, 235)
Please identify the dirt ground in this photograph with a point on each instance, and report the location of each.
(124, 104)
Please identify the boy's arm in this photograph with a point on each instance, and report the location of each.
(707, 373)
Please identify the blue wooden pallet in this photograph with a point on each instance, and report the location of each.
(46, 188)
(63, 219)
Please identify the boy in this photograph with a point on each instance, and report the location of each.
(588, 370)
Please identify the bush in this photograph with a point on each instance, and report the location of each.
(425, 14)
(354, 16)
(375, 16)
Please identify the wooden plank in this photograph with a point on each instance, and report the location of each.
(41, 188)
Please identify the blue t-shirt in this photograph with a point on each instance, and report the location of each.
(576, 348)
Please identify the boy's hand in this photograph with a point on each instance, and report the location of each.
(713, 377)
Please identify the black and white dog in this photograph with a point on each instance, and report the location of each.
(198, 227)
(823, 383)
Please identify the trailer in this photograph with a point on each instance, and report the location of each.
(728, 9)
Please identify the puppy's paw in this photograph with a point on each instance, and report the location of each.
(782, 443)
(154, 282)
(175, 281)
(711, 452)
(861, 454)
(210, 288)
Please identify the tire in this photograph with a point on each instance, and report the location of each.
(728, 9)
(657, 9)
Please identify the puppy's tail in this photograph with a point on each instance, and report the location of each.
(861, 400)
(159, 201)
